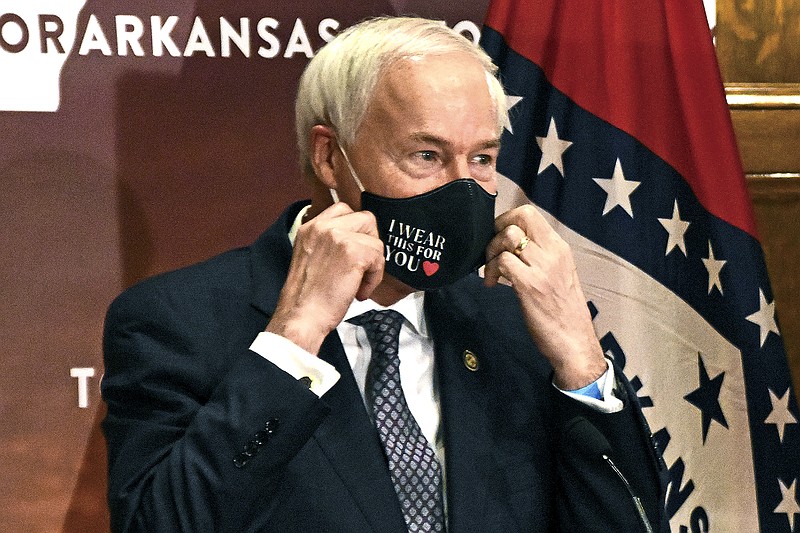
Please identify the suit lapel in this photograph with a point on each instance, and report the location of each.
(346, 436)
(474, 480)
(351, 443)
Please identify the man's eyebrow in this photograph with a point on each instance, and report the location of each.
(491, 143)
(429, 138)
(438, 141)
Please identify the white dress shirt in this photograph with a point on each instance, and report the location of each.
(416, 361)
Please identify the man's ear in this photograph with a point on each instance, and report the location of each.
(323, 147)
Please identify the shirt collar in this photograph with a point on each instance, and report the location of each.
(298, 221)
(411, 307)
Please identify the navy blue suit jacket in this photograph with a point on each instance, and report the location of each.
(188, 405)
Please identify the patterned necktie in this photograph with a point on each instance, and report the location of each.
(416, 473)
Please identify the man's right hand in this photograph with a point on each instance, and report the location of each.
(337, 256)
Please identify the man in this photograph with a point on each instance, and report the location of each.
(260, 391)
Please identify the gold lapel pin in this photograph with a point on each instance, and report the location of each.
(470, 361)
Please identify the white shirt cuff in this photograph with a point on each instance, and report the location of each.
(295, 361)
(609, 403)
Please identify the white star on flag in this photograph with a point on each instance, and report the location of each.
(618, 190)
(511, 101)
(714, 266)
(764, 317)
(676, 229)
(552, 149)
(780, 415)
(788, 503)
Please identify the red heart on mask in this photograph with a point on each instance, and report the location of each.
(430, 268)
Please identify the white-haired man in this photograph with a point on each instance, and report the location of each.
(349, 371)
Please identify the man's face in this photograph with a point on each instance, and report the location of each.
(431, 121)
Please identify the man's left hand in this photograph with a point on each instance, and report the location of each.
(539, 265)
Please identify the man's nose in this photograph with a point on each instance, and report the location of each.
(459, 168)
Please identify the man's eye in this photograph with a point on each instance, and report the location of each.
(427, 155)
(483, 159)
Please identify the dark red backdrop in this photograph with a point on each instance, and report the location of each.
(150, 163)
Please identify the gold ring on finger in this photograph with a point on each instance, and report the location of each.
(523, 242)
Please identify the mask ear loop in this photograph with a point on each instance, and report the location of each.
(333, 192)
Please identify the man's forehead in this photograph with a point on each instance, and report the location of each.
(442, 96)
(424, 77)
(424, 137)
(455, 62)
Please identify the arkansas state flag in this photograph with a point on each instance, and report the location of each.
(619, 131)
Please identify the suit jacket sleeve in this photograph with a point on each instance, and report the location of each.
(594, 498)
(199, 429)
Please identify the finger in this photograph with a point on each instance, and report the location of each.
(334, 210)
(507, 240)
(349, 221)
(530, 220)
(492, 274)
(372, 278)
(523, 216)
(373, 266)
(509, 267)
(364, 222)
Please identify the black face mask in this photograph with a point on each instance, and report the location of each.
(435, 238)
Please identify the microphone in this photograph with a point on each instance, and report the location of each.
(592, 444)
